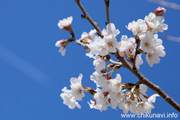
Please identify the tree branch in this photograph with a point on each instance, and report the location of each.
(148, 83)
(127, 65)
(136, 53)
(86, 16)
(107, 11)
(108, 59)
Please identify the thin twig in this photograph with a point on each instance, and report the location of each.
(107, 11)
(108, 59)
(78, 42)
(148, 83)
(136, 53)
(72, 32)
(86, 16)
(135, 84)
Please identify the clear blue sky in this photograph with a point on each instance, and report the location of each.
(32, 72)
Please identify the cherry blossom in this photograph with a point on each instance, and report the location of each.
(110, 91)
(65, 23)
(137, 27)
(155, 23)
(68, 99)
(126, 46)
(77, 89)
(62, 44)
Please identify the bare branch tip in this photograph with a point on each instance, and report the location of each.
(77, 1)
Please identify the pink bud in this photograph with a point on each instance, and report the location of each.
(159, 11)
(62, 41)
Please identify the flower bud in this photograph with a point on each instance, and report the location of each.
(60, 43)
(65, 24)
(110, 66)
(160, 11)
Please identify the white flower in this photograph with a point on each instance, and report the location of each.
(117, 95)
(128, 105)
(100, 103)
(114, 104)
(93, 46)
(101, 99)
(152, 58)
(89, 37)
(147, 44)
(112, 44)
(142, 89)
(98, 47)
(94, 105)
(139, 60)
(152, 98)
(62, 44)
(115, 84)
(144, 107)
(68, 99)
(99, 63)
(110, 31)
(98, 78)
(99, 96)
(137, 27)
(65, 23)
(77, 89)
(158, 50)
(126, 46)
(159, 47)
(102, 48)
(155, 23)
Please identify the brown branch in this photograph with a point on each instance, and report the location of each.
(108, 59)
(136, 53)
(79, 43)
(107, 11)
(73, 38)
(148, 83)
(72, 32)
(86, 16)
(127, 65)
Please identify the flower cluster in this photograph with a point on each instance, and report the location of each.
(146, 32)
(112, 92)
(107, 44)
(70, 97)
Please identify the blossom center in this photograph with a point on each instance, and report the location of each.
(146, 44)
(110, 44)
(149, 55)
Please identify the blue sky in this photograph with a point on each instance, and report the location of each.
(32, 72)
